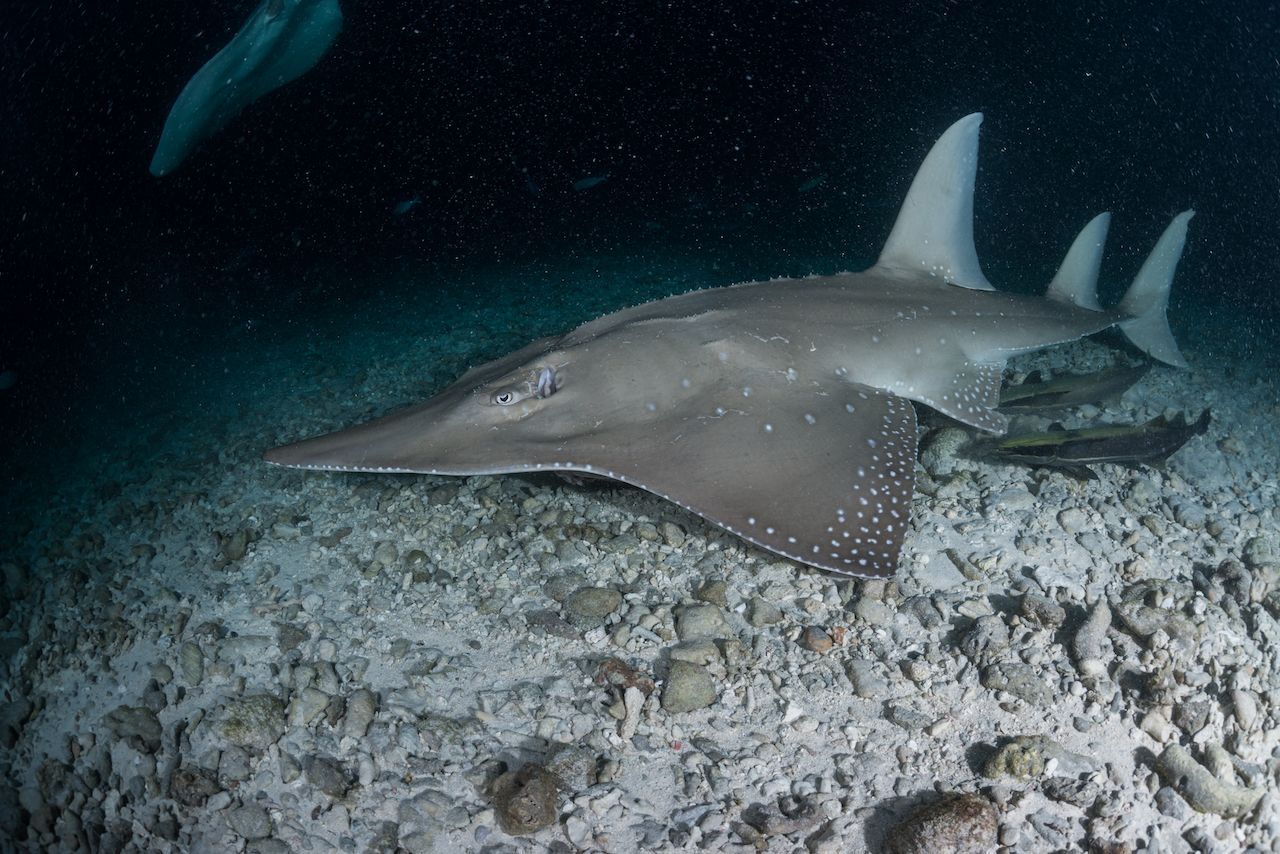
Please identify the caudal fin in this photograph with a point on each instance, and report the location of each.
(1147, 299)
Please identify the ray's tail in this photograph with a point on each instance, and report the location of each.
(1147, 300)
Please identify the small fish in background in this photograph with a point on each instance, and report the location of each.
(280, 42)
(584, 184)
(8, 379)
(812, 183)
(531, 186)
(405, 206)
(1073, 451)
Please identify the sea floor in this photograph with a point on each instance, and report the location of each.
(205, 653)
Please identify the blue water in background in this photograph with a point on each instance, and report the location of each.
(269, 281)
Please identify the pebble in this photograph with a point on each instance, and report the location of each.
(908, 716)
(307, 705)
(986, 639)
(191, 663)
(1200, 789)
(1021, 680)
(1009, 501)
(192, 785)
(327, 652)
(956, 823)
(418, 842)
(577, 831)
(573, 766)
(218, 801)
(1245, 708)
(633, 703)
(233, 765)
(1073, 520)
(816, 639)
(1088, 647)
(1170, 803)
(327, 775)
(256, 721)
(688, 687)
(1155, 724)
(761, 613)
(1189, 514)
(873, 612)
(137, 725)
(1192, 714)
(701, 621)
(940, 452)
(672, 534)
(235, 545)
(361, 707)
(866, 679)
(591, 606)
(1258, 552)
(386, 838)
(550, 623)
(702, 651)
(1080, 793)
(289, 637)
(526, 801)
(1053, 829)
(784, 816)
(386, 553)
(1042, 611)
(714, 591)
(250, 821)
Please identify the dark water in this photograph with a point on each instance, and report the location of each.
(136, 308)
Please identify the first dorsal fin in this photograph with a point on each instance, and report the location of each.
(934, 230)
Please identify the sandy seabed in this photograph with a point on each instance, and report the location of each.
(204, 653)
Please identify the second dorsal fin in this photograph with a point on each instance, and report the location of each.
(1077, 279)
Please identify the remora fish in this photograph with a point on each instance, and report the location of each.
(1069, 390)
(1123, 444)
(779, 410)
